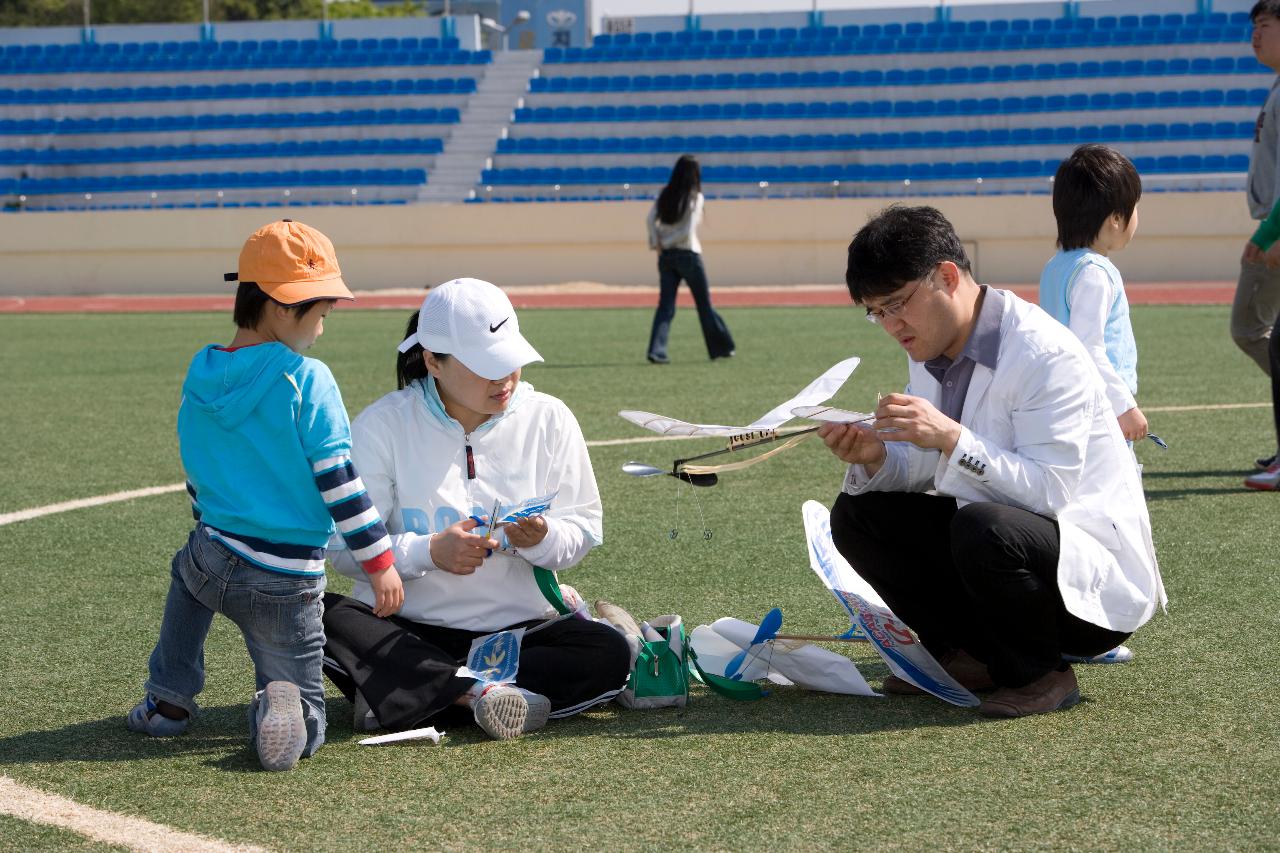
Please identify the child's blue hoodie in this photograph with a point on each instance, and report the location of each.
(253, 424)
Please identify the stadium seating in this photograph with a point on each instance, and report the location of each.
(933, 76)
(818, 109)
(214, 180)
(935, 36)
(134, 57)
(225, 121)
(943, 106)
(237, 91)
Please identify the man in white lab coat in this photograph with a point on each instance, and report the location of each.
(994, 504)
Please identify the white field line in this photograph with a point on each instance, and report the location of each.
(1208, 408)
(132, 833)
(82, 503)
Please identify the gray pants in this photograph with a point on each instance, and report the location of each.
(1254, 311)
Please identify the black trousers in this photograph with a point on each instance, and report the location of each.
(674, 265)
(1273, 356)
(982, 578)
(406, 670)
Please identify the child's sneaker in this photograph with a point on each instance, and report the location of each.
(281, 730)
(501, 711)
(1120, 654)
(146, 718)
(1265, 461)
(1267, 481)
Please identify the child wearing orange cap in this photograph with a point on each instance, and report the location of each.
(266, 443)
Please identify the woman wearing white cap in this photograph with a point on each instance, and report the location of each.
(462, 436)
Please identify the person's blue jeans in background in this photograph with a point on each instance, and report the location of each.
(279, 615)
(674, 265)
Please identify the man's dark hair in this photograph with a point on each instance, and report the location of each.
(899, 245)
(1270, 8)
(250, 301)
(1091, 185)
(409, 364)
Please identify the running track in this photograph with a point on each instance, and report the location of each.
(1174, 293)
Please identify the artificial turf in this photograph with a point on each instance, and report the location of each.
(1177, 749)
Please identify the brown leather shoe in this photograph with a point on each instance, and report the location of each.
(1054, 691)
(959, 664)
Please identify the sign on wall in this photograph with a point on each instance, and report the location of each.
(554, 23)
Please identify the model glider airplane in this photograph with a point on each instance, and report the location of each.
(763, 430)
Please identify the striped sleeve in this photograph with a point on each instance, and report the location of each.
(195, 505)
(353, 513)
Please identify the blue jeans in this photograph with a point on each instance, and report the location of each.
(278, 614)
(674, 265)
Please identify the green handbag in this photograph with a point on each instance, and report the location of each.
(660, 677)
(663, 666)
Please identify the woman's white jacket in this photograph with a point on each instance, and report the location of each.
(413, 460)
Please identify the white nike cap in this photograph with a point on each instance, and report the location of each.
(473, 321)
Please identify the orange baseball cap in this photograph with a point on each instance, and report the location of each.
(291, 262)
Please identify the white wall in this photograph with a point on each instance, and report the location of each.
(1183, 237)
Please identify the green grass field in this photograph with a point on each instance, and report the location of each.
(1175, 750)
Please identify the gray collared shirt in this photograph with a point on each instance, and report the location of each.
(982, 348)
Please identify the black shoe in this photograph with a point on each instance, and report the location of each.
(1265, 462)
(658, 359)
(728, 354)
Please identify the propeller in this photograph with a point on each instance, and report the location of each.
(767, 631)
(640, 469)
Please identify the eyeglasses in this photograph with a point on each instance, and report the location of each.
(894, 309)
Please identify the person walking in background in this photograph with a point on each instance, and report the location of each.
(673, 233)
(1257, 300)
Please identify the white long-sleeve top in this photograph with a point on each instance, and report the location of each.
(1091, 300)
(412, 457)
(676, 235)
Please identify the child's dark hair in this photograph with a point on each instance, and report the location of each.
(1091, 185)
(1268, 8)
(410, 365)
(250, 301)
(898, 245)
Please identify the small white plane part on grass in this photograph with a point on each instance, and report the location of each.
(782, 661)
(429, 733)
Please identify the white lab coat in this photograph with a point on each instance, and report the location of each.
(1039, 434)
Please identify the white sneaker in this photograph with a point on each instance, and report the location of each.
(501, 711)
(1266, 481)
(146, 718)
(539, 711)
(281, 730)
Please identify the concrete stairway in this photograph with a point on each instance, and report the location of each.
(487, 114)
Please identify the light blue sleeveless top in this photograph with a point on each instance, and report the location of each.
(1056, 289)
